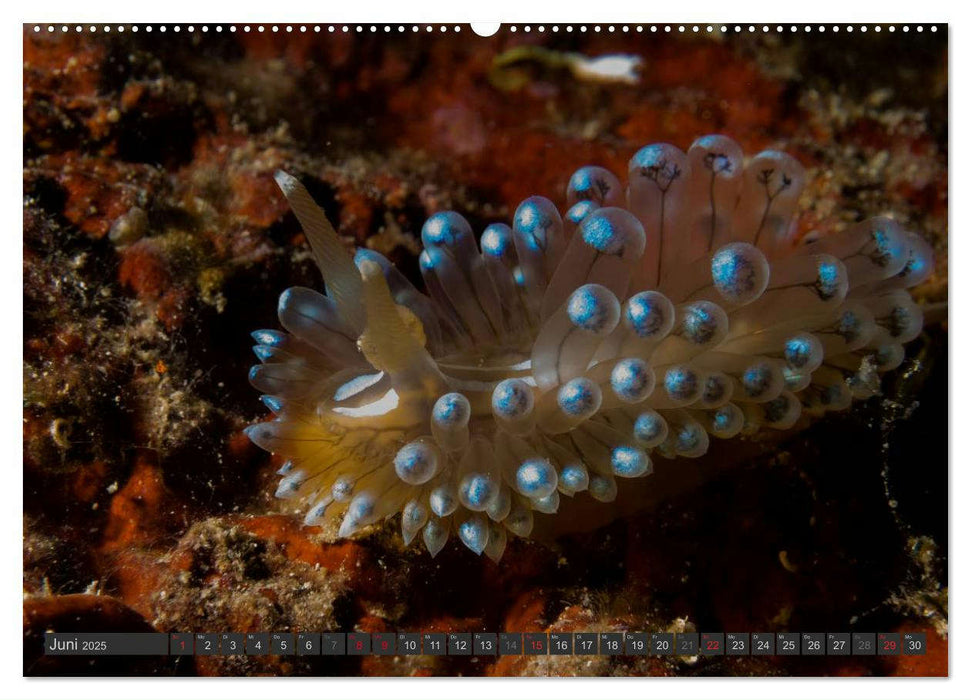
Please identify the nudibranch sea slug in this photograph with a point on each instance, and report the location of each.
(568, 352)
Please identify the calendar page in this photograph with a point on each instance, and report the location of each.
(536, 349)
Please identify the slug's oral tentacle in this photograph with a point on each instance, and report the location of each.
(405, 294)
(566, 353)
(340, 275)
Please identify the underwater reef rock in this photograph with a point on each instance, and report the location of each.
(83, 613)
(155, 241)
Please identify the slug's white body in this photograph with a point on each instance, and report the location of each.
(566, 352)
